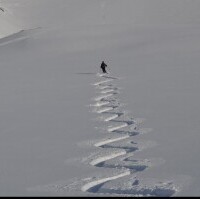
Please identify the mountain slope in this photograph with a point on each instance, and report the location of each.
(66, 130)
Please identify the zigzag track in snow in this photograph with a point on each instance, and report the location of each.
(121, 149)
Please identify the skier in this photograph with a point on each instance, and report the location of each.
(103, 67)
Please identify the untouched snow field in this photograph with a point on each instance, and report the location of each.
(68, 130)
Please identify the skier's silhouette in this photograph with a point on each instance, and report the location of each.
(103, 67)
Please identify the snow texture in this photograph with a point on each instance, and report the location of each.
(68, 130)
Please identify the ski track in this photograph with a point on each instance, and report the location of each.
(99, 104)
(102, 143)
(105, 110)
(114, 116)
(117, 127)
(94, 186)
(108, 105)
(105, 158)
(108, 91)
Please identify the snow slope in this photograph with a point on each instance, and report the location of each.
(67, 130)
(7, 23)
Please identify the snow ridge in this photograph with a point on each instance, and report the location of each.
(121, 149)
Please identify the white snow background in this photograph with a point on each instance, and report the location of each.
(54, 140)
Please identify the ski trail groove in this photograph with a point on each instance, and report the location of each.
(105, 158)
(99, 104)
(117, 127)
(103, 96)
(99, 144)
(114, 116)
(107, 104)
(105, 109)
(92, 186)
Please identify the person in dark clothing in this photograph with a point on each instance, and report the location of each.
(103, 67)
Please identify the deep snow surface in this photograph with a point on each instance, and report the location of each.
(66, 130)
